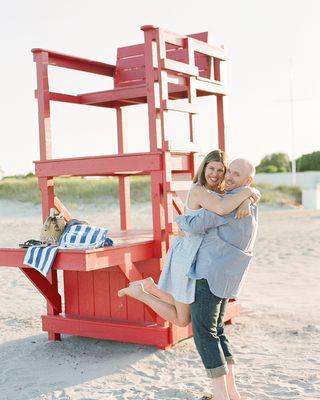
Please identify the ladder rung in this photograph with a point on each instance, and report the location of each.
(177, 105)
(187, 147)
(174, 186)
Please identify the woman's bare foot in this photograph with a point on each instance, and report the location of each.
(136, 291)
(148, 284)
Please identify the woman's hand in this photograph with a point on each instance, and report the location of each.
(255, 195)
(181, 234)
(244, 210)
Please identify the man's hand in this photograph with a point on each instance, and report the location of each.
(244, 210)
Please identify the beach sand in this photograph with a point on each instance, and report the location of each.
(276, 339)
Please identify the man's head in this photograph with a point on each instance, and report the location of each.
(240, 172)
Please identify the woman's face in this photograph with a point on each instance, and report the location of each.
(214, 174)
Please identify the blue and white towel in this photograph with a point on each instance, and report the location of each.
(41, 258)
(76, 236)
(81, 237)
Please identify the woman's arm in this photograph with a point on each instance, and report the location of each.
(244, 210)
(220, 205)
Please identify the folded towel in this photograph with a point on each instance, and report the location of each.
(77, 237)
(41, 258)
(82, 237)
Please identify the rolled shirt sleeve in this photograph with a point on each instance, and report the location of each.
(201, 222)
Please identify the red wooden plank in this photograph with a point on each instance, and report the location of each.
(79, 63)
(129, 51)
(130, 271)
(134, 74)
(118, 304)
(124, 182)
(133, 83)
(71, 292)
(180, 162)
(47, 289)
(178, 205)
(220, 112)
(135, 310)
(203, 36)
(150, 334)
(65, 98)
(87, 260)
(116, 94)
(100, 165)
(102, 293)
(86, 294)
(177, 66)
(179, 106)
(210, 87)
(62, 209)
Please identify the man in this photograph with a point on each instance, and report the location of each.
(219, 269)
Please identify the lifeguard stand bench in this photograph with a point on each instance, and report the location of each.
(167, 72)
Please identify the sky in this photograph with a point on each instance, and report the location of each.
(265, 41)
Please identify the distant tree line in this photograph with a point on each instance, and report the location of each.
(280, 162)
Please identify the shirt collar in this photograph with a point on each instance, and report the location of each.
(236, 190)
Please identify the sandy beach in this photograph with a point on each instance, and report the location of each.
(276, 339)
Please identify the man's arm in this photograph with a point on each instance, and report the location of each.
(200, 222)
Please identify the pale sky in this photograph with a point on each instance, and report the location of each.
(260, 36)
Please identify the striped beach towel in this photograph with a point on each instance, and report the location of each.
(41, 258)
(83, 237)
(77, 237)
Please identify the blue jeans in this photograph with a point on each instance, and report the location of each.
(207, 315)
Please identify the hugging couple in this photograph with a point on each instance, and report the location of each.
(207, 264)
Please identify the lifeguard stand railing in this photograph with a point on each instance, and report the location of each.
(167, 72)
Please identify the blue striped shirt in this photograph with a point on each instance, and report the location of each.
(225, 251)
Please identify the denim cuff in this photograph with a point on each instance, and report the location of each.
(230, 360)
(217, 372)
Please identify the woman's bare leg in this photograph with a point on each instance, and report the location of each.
(178, 314)
(151, 287)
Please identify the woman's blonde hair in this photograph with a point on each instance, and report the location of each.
(215, 155)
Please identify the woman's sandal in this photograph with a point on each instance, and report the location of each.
(32, 242)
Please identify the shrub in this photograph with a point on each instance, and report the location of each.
(279, 162)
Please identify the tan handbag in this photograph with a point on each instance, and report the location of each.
(53, 228)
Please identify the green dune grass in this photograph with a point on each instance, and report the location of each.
(75, 190)
(97, 191)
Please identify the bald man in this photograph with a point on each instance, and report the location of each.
(219, 269)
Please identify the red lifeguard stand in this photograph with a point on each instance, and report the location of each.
(167, 72)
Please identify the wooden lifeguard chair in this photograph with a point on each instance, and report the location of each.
(167, 72)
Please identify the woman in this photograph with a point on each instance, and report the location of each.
(175, 291)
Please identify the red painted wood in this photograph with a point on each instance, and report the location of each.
(68, 61)
(119, 304)
(121, 93)
(177, 66)
(86, 294)
(124, 182)
(62, 209)
(101, 165)
(133, 245)
(71, 292)
(47, 289)
(102, 304)
(121, 331)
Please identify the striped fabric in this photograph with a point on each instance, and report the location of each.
(41, 258)
(80, 236)
(77, 236)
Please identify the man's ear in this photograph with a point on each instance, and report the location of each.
(249, 180)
